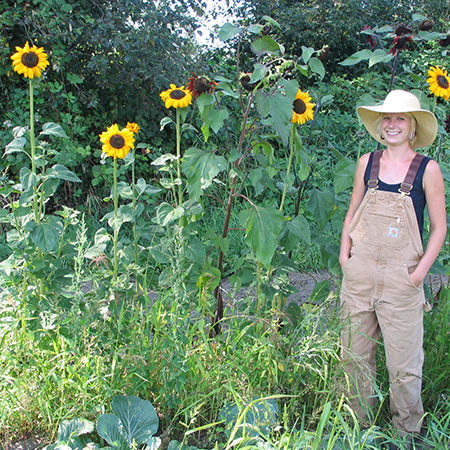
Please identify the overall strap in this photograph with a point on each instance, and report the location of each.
(373, 178)
(407, 184)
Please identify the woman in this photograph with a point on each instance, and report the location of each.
(382, 256)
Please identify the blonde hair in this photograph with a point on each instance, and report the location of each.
(412, 134)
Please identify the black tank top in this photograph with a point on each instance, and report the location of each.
(417, 193)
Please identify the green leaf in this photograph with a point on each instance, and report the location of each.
(290, 88)
(431, 36)
(53, 129)
(109, 428)
(380, 55)
(384, 29)
(259, 73)
(196, 251)
(75, 427)
(16, 145)
(61, 172)
(256, 418)
(293, 232)
(95, 251)
(272, 21)
(356, 58)
(201, 168)
(46, 235)
(164, 122)
(161, 254)
(264, 45)
(344, 174)
(216, 118)
(321, 205)
(166, 214)
(139, 418)
(317, 67)
(263, 225)
(307, 52)
(28, 179)
(227, 31)
(205, 100)
(226, 89)
(255, 29)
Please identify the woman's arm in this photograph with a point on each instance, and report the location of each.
(433, 184)
(358, 192)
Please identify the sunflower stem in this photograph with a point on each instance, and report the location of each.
(291, 156)
(133, 181)
(33, 152)
(180, 191)
(116, 231)
(394, 67)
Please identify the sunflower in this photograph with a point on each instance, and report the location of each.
(400, 43)
(30, 61)
(117, 143)
(303, 108)
(133, 127)
(199, 85)
(176, 97)
(439, 82)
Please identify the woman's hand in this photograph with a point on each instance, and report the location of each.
(416, 278)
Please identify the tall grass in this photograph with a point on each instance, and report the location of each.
(75, 360)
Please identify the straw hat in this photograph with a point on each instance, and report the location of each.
(399, 101)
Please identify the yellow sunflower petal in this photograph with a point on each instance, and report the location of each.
(439, 82)
(176, 97)
(303, 108)
(117, 143)
(29, 62)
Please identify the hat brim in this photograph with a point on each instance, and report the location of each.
(426, 129)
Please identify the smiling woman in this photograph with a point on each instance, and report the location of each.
(383, 261)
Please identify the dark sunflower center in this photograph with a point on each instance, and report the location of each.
(442, 81)
(202, 85)
(401, 43)
(299, 106)
(177, 94)
(117, 141)
(30, 60)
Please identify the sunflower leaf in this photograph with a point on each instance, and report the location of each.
(378, 56)
(164, 122)
(53, 129)
(61, 172)
(293, 232)
(227, 31)
(321, 205)
(16, 145)
(263, 225)
(259, 73)
(46, 235)
(427, 36)
(356, 58)
(317, 67)
(201, 168)
(265, 45)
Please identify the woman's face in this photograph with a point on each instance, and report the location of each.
(396, 128)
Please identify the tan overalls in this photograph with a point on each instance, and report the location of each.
(377, 294)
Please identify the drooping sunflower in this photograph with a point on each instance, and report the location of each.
(399, 43)
(117, 143)
(29, 61)
(303, 108)
(133, 127)
(199, 85)
(176, 97)
(439, 82)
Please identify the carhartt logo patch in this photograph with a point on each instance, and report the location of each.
(393, 232)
